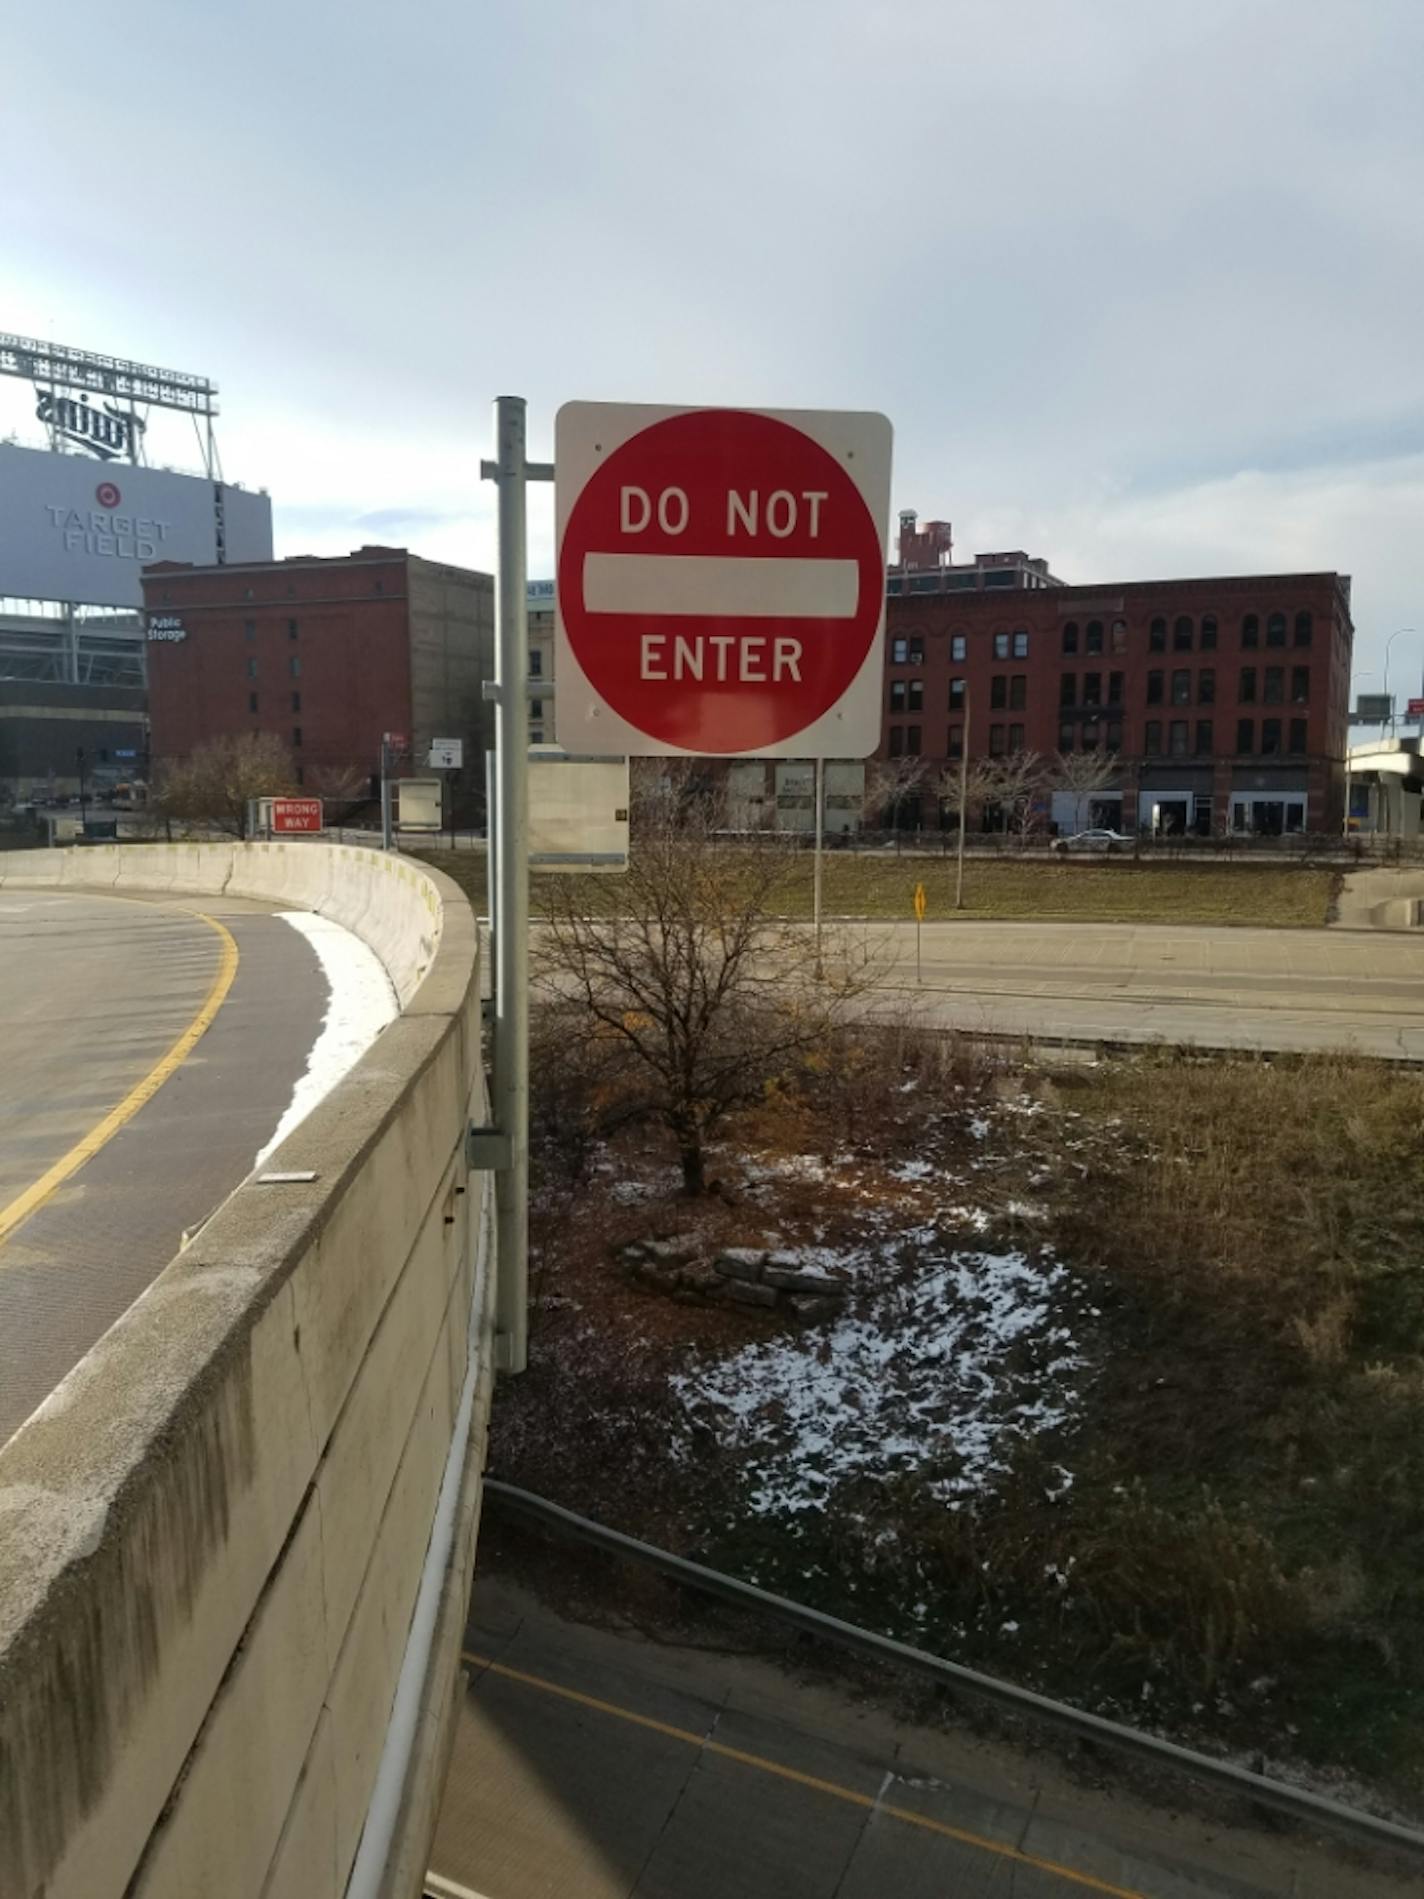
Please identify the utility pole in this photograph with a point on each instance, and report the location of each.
(963, 812)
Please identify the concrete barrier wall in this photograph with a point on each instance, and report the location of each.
(212, 1535)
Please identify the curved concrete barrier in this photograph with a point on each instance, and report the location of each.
(214, 1533)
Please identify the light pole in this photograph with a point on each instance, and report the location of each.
(83, 793)
(1399, 634)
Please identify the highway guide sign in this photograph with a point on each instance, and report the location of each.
(721, 580)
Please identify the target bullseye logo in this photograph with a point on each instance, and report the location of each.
(107, 494)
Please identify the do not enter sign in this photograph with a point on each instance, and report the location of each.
(721, 580)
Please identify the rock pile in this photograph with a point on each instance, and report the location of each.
(684, 1267)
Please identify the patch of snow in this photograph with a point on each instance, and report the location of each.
(360, 1003)
(912, 1170)
(979, 1128)
(944, 1364)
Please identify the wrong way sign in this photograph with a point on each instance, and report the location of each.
(721, 580)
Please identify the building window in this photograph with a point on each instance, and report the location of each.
(912, 741)
(252, 669)
(955, 747)
(897, 695)
(296, 735)
(956, 695)
(1066, 736)
(1018, 692)
(1206, 687)
(1275, 685)
(908, 652)
(1114, 735)
(296, 702)
(249, 630)
(1181, 688)
(1093, 637)
(1092, 689)
(1178, 738)
(1208, 633)
(958, 646)
(917, 650)
(1304, 629)
(1182, 633)
(1297, 735)
(1016, 738)
(1203, 738)
(1250, 631)
(1021, 644)
(294, 666)
(1276, 630)
(1270, 737)
(998, 692)
(252, 701)
(1154, 688)
(996, 741)
(897, 741)
(1152, 740)
(1114, 689)
(899, 652)
(916, 697)
(1300, 685)
(1068, 689)
(1157, 635)
(1001, 646)
(1246, 686)
(1245, 735)
(536, 663)
(1090, 733)
(1119, 636)
(291, 629)
(1070, 636)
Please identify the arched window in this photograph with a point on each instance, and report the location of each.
(1208, 632)
(1070, 636)
(1182, 633)
(1157, 635)
(1276, 630)
(1304, 628)
(1093, 637)
(1250, 631)
(1119, 636)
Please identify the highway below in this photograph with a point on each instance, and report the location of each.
(1286, 990)
(150, 1050)
(597, 1762)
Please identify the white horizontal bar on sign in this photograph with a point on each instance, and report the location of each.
(744, 586)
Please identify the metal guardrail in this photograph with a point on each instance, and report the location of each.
(1313, 1809)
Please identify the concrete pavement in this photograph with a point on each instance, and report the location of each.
(1215, 987)
(98, 989)
(597, 1763)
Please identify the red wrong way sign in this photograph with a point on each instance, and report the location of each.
(296, 814)
(721, 580)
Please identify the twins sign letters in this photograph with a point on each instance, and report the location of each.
(721, 580)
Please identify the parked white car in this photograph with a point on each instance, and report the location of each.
(1092, 841)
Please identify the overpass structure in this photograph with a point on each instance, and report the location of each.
(236, 1542)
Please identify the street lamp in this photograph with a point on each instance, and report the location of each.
(1399, 634)
(83, 794)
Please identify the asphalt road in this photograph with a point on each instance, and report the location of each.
(598, 1763)
(1218, 988)
(100, 998)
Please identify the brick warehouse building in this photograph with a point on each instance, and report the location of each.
(328, 654)
(1225, 699)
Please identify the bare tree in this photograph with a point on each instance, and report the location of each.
(891, 783)
(342, 787)
(1081, 774)
(980, 787)
(218, 780)
(1014, 785)
(684, 965)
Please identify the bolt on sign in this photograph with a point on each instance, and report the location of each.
(721, 580)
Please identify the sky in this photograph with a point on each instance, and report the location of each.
(1140, 285)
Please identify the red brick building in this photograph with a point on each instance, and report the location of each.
(1224, 699)
(328, 654)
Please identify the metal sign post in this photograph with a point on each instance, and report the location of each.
(387, 831)
(816, 868)
(507, 1142)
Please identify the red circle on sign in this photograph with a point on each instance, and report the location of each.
(712, 657)
(107, 495)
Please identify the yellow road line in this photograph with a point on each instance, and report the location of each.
(999, 1848)
(34, 1196)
